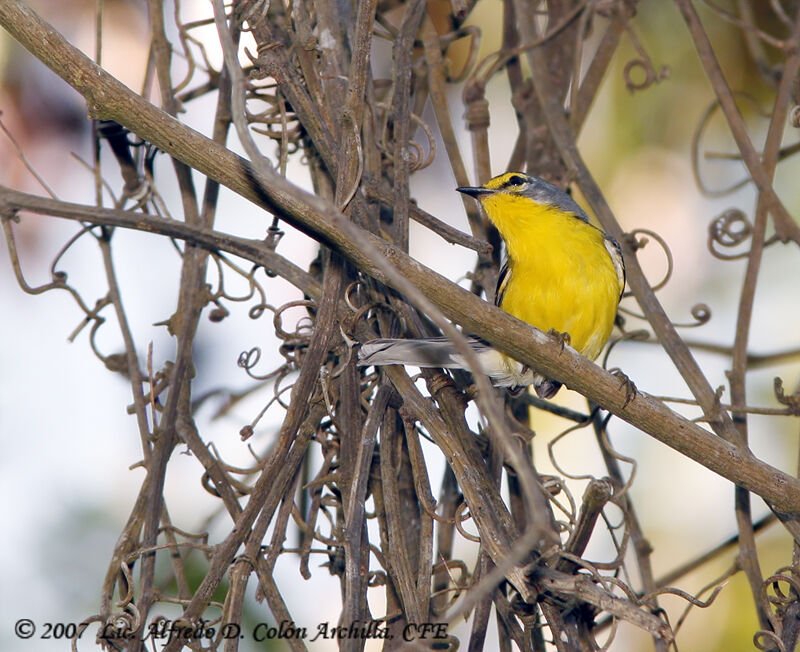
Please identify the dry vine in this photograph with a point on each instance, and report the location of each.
(346, 475)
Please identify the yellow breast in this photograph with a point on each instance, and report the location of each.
(561, 275)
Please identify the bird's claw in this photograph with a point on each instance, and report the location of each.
(564, 338)
(630, 388)
(516, 390)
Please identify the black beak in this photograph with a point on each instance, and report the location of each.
(474, 191)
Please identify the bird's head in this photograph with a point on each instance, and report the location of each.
(517, 186)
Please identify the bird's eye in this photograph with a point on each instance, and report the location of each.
(515, 180)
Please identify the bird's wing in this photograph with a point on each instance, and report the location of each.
(502, 282)
(615, 251)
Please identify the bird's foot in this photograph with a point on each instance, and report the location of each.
(630, 388)
(564, 338)
(516, 390)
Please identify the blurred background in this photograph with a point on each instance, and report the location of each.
(69, 446)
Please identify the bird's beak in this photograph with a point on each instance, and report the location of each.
(475, 191)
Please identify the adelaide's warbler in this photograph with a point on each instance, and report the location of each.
(560, 273)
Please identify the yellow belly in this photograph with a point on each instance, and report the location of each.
(583, 307)
(562, 278)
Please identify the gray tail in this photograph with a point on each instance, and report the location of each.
(428, 352)
(440, 352)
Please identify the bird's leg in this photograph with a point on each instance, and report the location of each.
(630, 388)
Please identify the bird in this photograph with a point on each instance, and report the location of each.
(560, 274)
